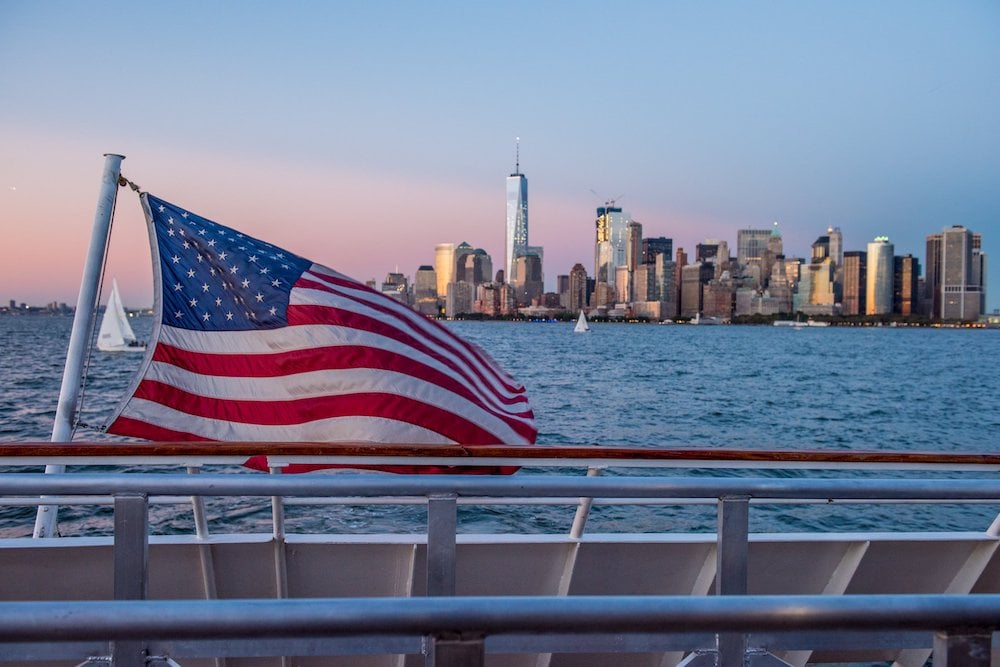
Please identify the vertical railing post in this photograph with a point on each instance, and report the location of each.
(965, 647)
(131, 562)
(442, 524)
(731, 569)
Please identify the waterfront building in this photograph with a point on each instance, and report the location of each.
(633, 257)
(855, 278)
(462, 250)
(775, 249)
(693, 278)
(751, 244)
(644, 283)
(815, 293)
(718, 297)
(878, 287)
(478, 267)
(956, 274)
(459, 299)
(528, 285)
(657, 245)
(835, 247)
(396, 286)
(780, 287)
(444, 266)
(667, 292)
(905, 280)
(516, 237)
(610, 245)
(425, 294)
(488, 300)
(577, 288)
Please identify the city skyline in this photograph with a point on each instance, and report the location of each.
(364, 135)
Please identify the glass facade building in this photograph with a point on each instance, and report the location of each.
(516, 239)
(878, 292)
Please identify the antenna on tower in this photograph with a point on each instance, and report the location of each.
(517, 155)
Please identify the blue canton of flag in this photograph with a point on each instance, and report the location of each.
(217, 279)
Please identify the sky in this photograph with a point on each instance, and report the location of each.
(362, 134)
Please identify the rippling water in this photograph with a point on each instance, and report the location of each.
(639, 385)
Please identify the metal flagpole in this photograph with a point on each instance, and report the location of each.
(69, 393)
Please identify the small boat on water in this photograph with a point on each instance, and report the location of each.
(116, 333)
(581, 324)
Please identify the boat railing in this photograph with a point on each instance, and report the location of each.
(130, 494)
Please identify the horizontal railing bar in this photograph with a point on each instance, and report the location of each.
(220, 619)
(368, 485)
(562, 453)
(23, 501)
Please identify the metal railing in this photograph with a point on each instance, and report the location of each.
(455, 629)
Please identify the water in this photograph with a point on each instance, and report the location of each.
(636, 385)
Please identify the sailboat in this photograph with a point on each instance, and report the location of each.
(116, 334)
(581, 324)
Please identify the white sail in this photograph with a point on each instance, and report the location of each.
(116, 334)
(581, 324)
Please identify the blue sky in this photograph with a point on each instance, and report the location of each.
(360, 134)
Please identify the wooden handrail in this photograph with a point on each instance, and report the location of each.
(568, 452)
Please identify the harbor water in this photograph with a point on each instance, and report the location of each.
(643, 385)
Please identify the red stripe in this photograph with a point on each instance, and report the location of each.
(410, 319)
(136, 428)
(304, 410)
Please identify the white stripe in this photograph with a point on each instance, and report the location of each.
(336, 429)
(320, 383)
(309, 337)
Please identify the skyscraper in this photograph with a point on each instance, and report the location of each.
(878, 292)
(855, 282)
(751, 244)
(610, 245)
(955, 274)
(517, 219)
(444, 266)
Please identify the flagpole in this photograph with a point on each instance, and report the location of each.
(86, 307)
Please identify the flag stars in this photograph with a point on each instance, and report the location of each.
(233, 269)
(259, 297)
(264, 271)
(206, 317)
(223, 255)
(175, 259)
(276, 282)
(193, 302)
(190, 273)
(211, 243)
(178, 287)
(245, 283)
(252, 258)
(204, 287)
(272, 310)
(218, 301)
(229, 316)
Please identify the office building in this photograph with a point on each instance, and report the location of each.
(905, 278)
(577, 288)
(956, 274)
(610, 247)
(444, 266)
(751, 244)
(878, 286)
(657, 245)
(854, 277)
(516, 238)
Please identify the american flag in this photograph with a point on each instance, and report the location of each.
(254, 343)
